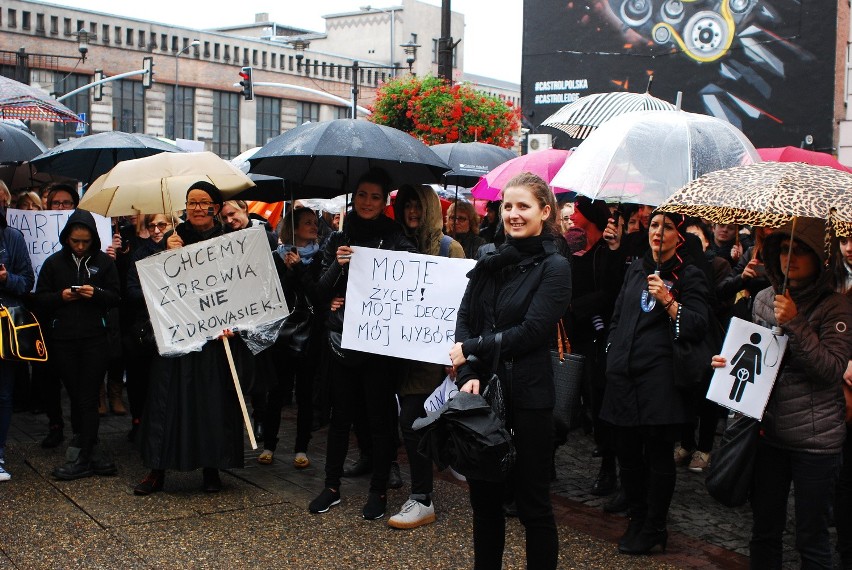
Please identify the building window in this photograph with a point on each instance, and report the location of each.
(164, 42)
(215, 51)
(118, 35)
(307, 112)
(40, 24)
(184, 107)
(268, 118)
(272, 58)
(141, 38)
(128, 106)
(174, 43)
(344, 112)
(12, 18)
(66, 26)
(105, 33)
(226, 126)
(206, 50)
(54, 25)
(79, 103)
(26, 20)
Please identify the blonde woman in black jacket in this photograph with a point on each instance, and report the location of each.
(520, 290)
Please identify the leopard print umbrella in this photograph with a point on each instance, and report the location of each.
(768, 194)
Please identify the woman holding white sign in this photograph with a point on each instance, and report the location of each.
(803, 427)
(418, 211)
(359, 379)
(521, 290)
(192, 417)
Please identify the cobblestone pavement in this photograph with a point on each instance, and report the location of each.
(260, 518)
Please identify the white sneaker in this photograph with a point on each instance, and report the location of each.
(4, 475)
(413, 514)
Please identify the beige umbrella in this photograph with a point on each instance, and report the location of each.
(158, 184)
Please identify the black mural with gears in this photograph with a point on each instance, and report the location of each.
(766, 66)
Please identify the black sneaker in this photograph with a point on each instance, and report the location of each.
(324, 501)
(394, 477)
(376, 506)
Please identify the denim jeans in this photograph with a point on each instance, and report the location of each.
(813, 477)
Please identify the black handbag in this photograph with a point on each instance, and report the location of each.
(567, 381)
(21, 338)
(295, 333)
(493, 392)
(729, 477)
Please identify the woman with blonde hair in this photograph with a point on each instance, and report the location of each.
(29, 200)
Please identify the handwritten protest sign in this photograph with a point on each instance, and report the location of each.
(41, 229)
(195, 292)
(753, 357)
(403, 304)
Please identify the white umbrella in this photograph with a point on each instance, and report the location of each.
(158, 183)
(643, 157)
(580, 118)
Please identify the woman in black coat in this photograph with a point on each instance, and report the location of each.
(359, 380)
(664, 297)
(520, 290)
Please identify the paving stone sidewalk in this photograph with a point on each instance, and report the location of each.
(260, 518)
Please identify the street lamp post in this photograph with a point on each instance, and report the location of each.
(410, 47)
(392, 12)
(193, 43)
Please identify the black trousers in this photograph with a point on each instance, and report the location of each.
(83, 363)
(368, 388)
(530, 484)
(411, 408)
(46, 378)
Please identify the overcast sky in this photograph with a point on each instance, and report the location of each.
(492, 37)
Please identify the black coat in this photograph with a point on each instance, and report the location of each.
(640, 388)
(83, 318)
(533, 295)
(192, 417)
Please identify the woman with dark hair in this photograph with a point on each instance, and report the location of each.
(359, 379)
(463, 225)
(663, 298)
(802, 429)
(519, 291)
(303, 262)
(491, 222)
(76, 288)
(192, 418)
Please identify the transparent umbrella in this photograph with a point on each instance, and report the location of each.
(643, 157)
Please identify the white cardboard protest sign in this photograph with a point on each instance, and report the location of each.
(41, 229)
(403, 304)
(753, 356)
(195, 292)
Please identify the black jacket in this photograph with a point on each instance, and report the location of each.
(83, 318)
(524, 302)
(596, 277)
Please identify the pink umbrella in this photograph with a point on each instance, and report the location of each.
(796, 154)
(545, 163)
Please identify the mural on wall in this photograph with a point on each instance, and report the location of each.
(751, 62)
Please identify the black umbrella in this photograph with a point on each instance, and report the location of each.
(86, 158)
(471, 161)
(18, 144)
(323, 160)
(466, 434)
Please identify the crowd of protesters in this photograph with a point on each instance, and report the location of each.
(627, 282)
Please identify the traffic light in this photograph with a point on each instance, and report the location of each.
(148, 66)
(245, 82)
(99, 89)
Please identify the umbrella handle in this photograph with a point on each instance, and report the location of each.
(789, 254)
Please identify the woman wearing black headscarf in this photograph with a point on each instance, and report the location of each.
(664, 297)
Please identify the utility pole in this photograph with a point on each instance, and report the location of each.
(445, 44)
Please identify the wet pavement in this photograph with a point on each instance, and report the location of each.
(260, 518)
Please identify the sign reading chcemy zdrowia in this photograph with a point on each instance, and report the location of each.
(195, 292)
(403, 304)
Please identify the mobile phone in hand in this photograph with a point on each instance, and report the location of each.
(76, 288)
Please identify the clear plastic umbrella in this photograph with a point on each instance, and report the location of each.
(643, 157)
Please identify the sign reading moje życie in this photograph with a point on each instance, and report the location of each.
(195, 292)
(403, 304)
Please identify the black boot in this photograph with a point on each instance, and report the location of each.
(606, 481)
(635, 493)
(618, 504)
(212, 482)
(653, 533)
(102, 463)
(54, 437)
(77, 469)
